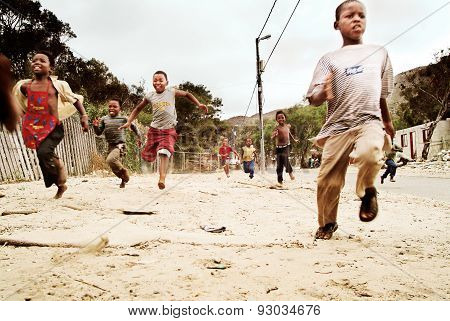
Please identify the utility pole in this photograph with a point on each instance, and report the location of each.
(259, 70)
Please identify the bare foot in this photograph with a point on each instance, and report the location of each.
(61, 190)
(161, 184)
(291, 176)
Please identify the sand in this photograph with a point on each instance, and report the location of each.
(267, 251)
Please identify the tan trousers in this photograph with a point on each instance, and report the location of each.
(362, 146)
(114, 159)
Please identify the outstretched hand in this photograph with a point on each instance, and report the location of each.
(124, 126)
(95, 122)
(275, 133)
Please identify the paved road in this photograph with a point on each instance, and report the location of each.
(431, 187)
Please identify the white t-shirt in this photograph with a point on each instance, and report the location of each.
(163, 108)
(362, 74)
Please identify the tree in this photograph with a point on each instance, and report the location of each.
(25, 28)
(427, 96)
(306, 122)
(197, 131)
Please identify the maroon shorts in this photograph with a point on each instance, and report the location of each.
(158, 139)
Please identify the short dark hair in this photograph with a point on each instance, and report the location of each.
(339, 8)
(115, 98)
(50, 56)
(280, 112)
(160, 72)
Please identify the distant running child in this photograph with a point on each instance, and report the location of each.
(161, 136)
(282, 134)
(224, 154)
(249, 157)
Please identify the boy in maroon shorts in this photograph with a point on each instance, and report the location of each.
(161, 136)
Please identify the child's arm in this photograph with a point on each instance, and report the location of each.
(318, 98)
(274, 133)
(236, 153)
(134, 113)
(83, 116)
(99, 126)
(292, 136)
(255, 155)
(188, 95)
(386, 116)
(135, 130)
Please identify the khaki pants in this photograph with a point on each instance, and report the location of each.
(362, 146)
(114, 159)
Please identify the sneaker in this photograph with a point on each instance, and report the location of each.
(369, 205)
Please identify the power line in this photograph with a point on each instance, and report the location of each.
(267, 18)
(254, 88)
(279, 38)
(249, 103)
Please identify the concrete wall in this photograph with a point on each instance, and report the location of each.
(412, 142)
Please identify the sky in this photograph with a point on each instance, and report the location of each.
(212, 42)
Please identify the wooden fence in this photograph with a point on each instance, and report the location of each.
(20, 163)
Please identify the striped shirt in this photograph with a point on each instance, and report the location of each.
(362, 74)
(110, 126)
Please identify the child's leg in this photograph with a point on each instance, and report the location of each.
(367, 155)
(163, 167)
(287, 165)
(331, 178)
(392, 167)
(113, 160)
(51, 166)
(62, 178)
(251, 168)
(227, 168)
(246, 167)
(280, 163)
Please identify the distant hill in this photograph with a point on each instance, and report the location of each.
(252, 120)
(395, 99)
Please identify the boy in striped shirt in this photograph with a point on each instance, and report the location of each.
(355, 81)
(116, 138)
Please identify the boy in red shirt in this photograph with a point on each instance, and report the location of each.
(224, 153)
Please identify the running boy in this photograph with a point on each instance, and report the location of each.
(355, 81)
(224, 154)
(249, 157)
(161, 135)
(46, 102)
(116, 138)
(283, 134)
